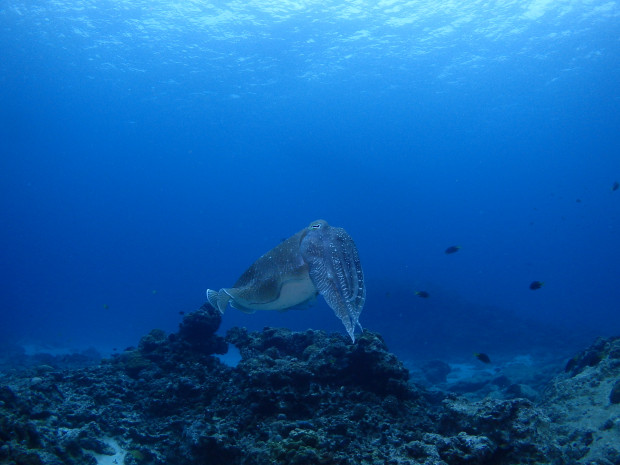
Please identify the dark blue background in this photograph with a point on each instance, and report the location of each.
(139, 171)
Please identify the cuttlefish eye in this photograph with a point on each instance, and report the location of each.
(318, 224)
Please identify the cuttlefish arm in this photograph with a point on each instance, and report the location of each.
(336, 271)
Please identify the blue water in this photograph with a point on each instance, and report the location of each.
(153, 149)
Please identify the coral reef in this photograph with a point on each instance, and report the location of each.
(296, 398)
(581, 403)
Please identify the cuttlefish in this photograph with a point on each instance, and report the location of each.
(319, 259)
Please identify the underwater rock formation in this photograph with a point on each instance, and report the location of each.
(581, 404)
(294, 398)
(436, 371)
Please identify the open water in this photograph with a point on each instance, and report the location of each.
(153, 149)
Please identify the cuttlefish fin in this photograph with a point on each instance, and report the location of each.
(218, 300)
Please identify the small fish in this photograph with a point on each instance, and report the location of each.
(615, 186)
(423, 294)
(106, 306)
(154, 291)
(578, 200)
(181, 313)
(484, 358)
(536, 285)
(452, 249)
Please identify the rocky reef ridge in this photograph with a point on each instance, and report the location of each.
(294, 398)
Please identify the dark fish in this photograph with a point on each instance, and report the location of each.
(578, 200)
(536, 285)
(453, 249)
(615, 186)
(181, 313)
(484, 358)
(423, 294)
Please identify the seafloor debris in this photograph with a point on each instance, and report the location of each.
(295, 398)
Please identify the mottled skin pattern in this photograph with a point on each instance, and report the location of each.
(319, 259)
(336, 271)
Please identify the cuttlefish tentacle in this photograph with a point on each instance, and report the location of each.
(336, 272)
